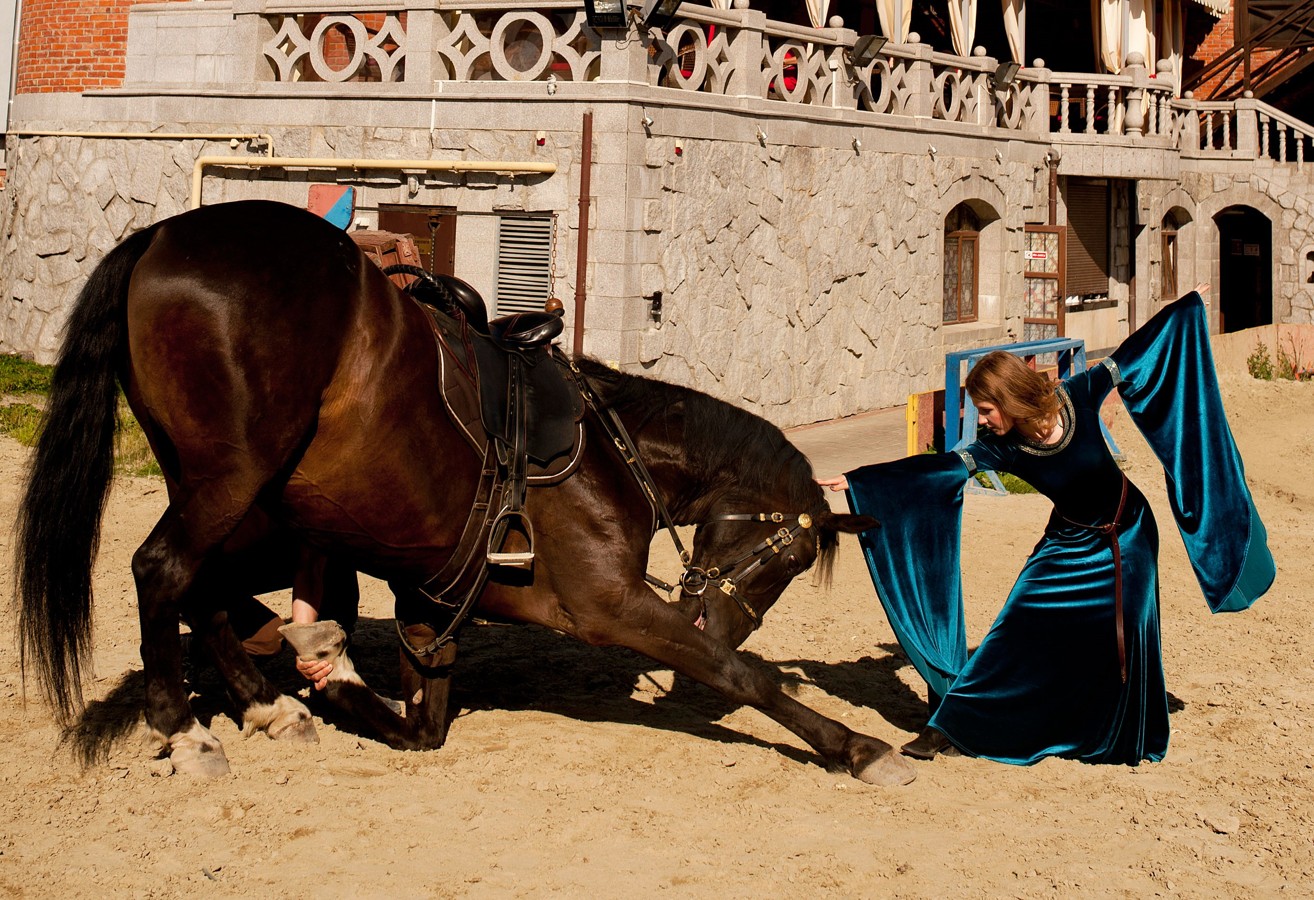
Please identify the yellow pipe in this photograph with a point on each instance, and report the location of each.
(311, 162)
(158, 135)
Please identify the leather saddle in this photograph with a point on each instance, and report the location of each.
(528, 407)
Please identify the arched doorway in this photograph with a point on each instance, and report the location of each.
(1245, 259)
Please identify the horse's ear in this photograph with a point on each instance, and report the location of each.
(846, 522)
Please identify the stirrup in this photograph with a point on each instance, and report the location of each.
(522, 559)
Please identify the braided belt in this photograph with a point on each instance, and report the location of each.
(1111, 529)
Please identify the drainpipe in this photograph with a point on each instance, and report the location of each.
(267, 140)
(582, 243)
(311, 162)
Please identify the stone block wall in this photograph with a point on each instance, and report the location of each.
(805, 282)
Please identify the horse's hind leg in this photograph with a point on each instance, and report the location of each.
(258, 703)
(164, 568)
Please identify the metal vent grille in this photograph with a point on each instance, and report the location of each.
(524, 263)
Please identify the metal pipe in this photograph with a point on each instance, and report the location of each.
(312, 162)
(582, 242)
(158, 135)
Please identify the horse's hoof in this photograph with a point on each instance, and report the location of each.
(286, 719)
(888, 769)
(197, 752)
(317, 640)
(298, 731)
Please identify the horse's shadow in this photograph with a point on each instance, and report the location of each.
(526, 667)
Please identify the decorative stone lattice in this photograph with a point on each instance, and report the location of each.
(520, 45)
(291, 50)
(686, 59)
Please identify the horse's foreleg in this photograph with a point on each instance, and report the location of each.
(426, 686)
(661, 633)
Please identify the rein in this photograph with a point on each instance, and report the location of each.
(695, 580)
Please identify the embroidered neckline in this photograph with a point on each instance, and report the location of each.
(1066, 415)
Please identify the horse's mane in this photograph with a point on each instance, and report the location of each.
(723, 443)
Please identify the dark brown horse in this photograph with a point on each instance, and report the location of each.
(294, 392)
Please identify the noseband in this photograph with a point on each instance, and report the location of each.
(696, 580)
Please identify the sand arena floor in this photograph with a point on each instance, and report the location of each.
(576, 771)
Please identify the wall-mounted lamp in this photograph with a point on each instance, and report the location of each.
(605, 13)
(930, 148)
(646, 121)
(999, 157)
(761, 136)
(658, 13)
(615, 13)
(857, 146)
(679, 148)
(540, 138)
(865, 50)
(655, 307)
(1005, 74)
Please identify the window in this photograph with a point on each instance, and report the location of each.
(1169, 231)
(1088, 237)
(962, 240)
(524, 263)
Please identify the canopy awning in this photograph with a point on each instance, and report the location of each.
(1217, 7)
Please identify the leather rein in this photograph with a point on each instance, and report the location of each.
(695, 579)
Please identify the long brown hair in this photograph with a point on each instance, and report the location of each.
(1019, 392)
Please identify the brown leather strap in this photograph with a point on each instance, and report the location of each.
(1111, 529)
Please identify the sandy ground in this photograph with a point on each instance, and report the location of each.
(576, 771)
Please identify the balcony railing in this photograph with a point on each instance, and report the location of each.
(739, 54)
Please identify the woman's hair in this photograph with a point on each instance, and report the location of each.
(1021, 393)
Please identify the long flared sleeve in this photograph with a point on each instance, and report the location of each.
(1165, 374)
(914, 557)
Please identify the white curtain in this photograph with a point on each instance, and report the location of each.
(896, 19)
(1170, 40)
(1107, 16)
(962, 25)
(1015, 26)
(817, 12)
(1123, 27)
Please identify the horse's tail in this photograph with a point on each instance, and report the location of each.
(68, 483)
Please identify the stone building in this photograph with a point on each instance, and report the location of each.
(770, 215)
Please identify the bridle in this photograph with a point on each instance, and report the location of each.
(696, 579)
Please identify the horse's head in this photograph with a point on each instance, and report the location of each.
(761, 517)
(742, 564)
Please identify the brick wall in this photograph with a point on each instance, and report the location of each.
(1217, 41)
(71, 45)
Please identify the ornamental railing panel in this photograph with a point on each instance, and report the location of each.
(419, 46)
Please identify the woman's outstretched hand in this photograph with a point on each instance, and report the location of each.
(1202, 288)
(838, 483)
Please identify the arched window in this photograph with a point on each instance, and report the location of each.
(962, 242)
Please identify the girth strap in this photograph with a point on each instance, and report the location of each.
(1111, 529)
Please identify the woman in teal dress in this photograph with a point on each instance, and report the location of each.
(1072, 666)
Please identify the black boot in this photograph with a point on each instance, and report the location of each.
(928, 744)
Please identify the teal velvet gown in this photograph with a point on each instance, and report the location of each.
(1055, 675)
